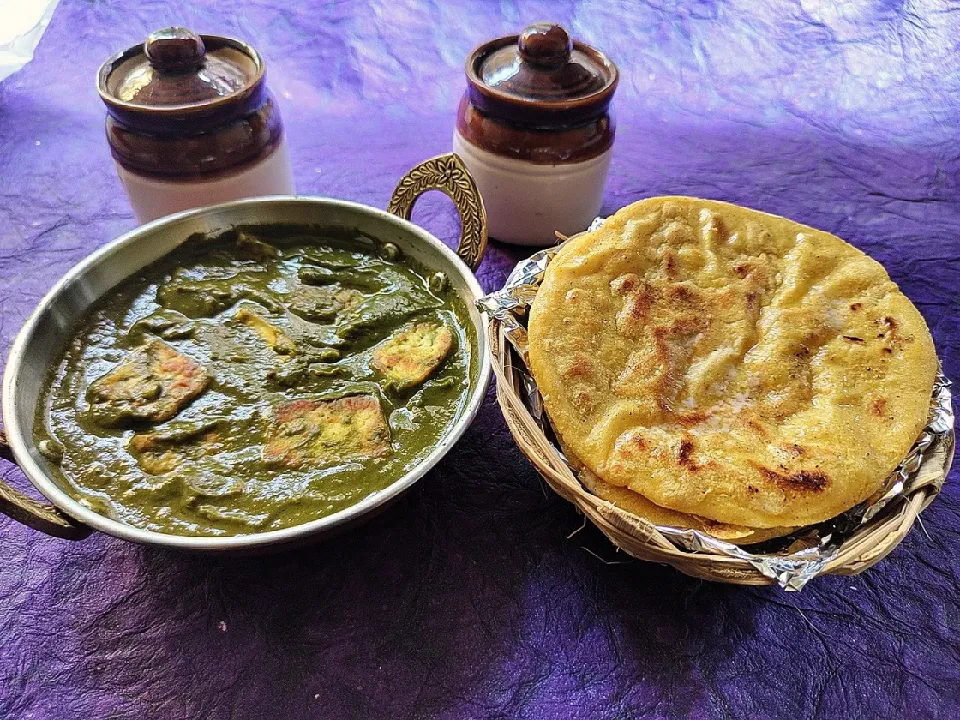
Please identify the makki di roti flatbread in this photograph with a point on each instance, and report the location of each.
(731, 364)
(636, 504)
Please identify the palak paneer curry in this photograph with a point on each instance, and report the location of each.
(257, 380)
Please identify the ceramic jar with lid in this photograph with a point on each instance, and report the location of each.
(535, 130)
(191, 123)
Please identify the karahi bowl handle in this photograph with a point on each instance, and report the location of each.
(36, 515)
(448, 174)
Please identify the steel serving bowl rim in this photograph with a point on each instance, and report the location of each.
(72, 507)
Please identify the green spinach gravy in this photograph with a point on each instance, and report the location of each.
(257, 380)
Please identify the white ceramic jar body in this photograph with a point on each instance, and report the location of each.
(153, 197)
(528, 203)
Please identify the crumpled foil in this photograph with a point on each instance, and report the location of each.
(791, 561)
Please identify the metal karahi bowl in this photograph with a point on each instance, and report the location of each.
(52, 324)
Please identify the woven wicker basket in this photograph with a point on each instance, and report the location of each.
(643, 541)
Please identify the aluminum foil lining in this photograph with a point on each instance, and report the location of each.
(798, 558)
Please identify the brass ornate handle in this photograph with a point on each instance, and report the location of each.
(33, 513)
(448, 174)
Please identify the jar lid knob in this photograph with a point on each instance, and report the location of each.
(174, 49)
(545, 44)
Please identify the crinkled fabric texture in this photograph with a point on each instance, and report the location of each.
(475, 597)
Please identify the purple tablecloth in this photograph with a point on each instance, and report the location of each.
(472, 597)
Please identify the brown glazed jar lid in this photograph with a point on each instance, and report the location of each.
(180, 82)
(540, 78)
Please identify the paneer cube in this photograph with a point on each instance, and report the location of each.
(409, 357)
(152, 384)
(252, 248)
(273, 336)
(321, 432)
(323, 302)
(166, 449)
